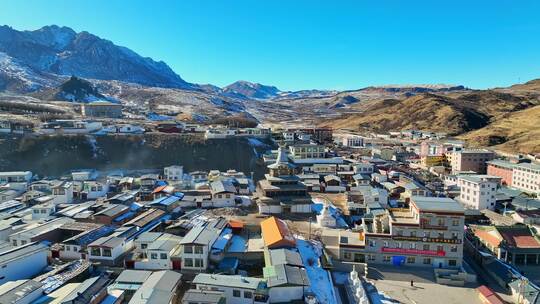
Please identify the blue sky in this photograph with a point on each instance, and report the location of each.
(299, 44)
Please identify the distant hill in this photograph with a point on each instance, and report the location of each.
(484, 117)
(425, 111)
(246, 89)
(515, 131)
(74, 89)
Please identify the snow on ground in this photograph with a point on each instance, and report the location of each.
(320, 280)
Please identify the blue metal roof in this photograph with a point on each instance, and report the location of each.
(165, 201)
(222, 240)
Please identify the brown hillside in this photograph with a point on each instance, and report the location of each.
(517, 131)
(424, 111)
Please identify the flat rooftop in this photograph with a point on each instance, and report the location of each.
(437, 204)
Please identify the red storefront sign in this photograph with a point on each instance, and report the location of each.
(413, 251)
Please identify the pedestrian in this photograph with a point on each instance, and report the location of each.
(412, 283)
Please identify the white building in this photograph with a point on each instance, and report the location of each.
(478, 191)
(94, 189)
(158, 253)
(196, 244)
(15, 177)
(526, 177)
(71, 127)
(288, 136)
(173, 173)
(23, 262)
(363, 168)
(352, 141)
(236, 289)
(37, 231)
(43, 211)
(108, 250)
(62, 192)
(223, 194)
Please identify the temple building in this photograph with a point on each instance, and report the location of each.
(282, 191)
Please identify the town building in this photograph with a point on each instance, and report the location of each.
(350, 140)
(173, 173)
(526, 177)
(196, 244)
(516, 244)
(101, 109)
(70, 127)
(303, 151)
(429, 233)
(160, 287)
(109, 250)
(502, 169)
(470, 160)
(223, 193)
(14, 262)
(478, 191)
(281, 191)
(236, 289)
(20, 291)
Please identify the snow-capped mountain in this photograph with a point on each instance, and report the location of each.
(38, 56)
(246, 89)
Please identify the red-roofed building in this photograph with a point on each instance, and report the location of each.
(276, 234)
(516, 244)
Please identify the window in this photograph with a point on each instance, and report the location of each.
(236, 293)
(440, 248)
(398, 244)
(425, 247)
(198, 249)
(455, 222)
(36, 211)
(344, 240)
(43, 211)
(440, 235)
(144, 246)
(95, 251)
(23, 242)
(188, 249)
(372, 243)
(412, 245)
(107, 252)
(385, 244)
(371, 257)
(413, 233)
(198, 263)
(454, 235)
(163, 256)
(453, 248)
(452, 263)
(426, 261)
(68, 248)
(411, 260)
(188, 262)
(347, 255)
(386, 258)
(248, 294)
(153, 256)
